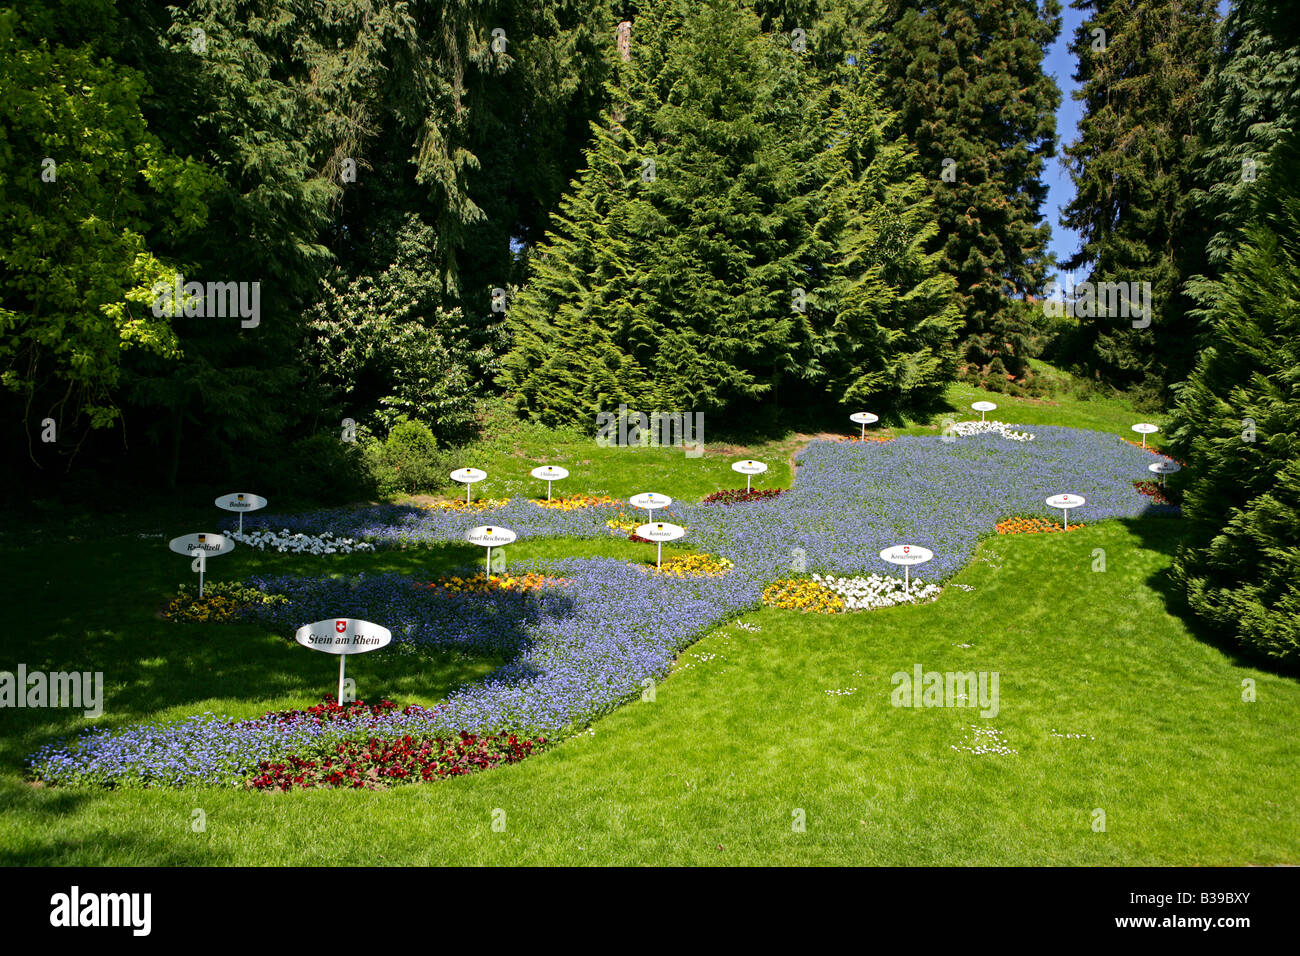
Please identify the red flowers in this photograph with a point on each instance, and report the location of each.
(1161, 494)
(377, 763)
(737, 495)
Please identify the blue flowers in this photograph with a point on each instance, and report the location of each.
(577, 651)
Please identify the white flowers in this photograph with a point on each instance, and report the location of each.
(985, 740)
(285, 540)
(1072, 736)
(876, 590)
(964, 429)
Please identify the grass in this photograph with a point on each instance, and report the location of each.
(1073, 407)
(738, 742)
(513, 448)
(741, 736)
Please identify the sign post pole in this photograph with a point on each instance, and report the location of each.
(486, 537)
(198, 547)
(751, 468)
(548, 474)
(241, 502)
(907, 555)
(1065, 503)
(659, 532)
(866, 418)
(343, 636)
(650, 501)
(1145, 428)
(468, 476)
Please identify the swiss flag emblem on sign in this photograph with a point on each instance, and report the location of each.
(340, 626)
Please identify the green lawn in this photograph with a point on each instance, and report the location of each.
(713, 770)
(737, 742)
(511, 448)
(1100, 413)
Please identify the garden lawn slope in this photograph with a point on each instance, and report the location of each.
(745, 732)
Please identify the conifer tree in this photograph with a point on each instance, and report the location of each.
(1252, 101)
(1238, 426)
(750, 228)
(967, 79)
(1140, 69)
(670, 264)
(883, 318)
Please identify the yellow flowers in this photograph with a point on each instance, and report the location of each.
(623, 523)
(483, 504)
(574, 502)
(478, 584)
(693, 566)
(802, 594)
(220, 602)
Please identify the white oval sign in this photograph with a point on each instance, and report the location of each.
(1145, 428)
(1066, 501)
(1164, 467)
(749, 467)
(207, 542)
(468, 475)
(241, 502)
(906, 554)
(343, 635)
(864, 418)
(984, 407)
(649, 500)
(660, 531)
(490, 536)
(549, 473)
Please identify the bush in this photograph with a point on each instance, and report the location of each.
(321, 469)
(408, 461)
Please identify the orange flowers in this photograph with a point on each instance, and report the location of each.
(1030, 526)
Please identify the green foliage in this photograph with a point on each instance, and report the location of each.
(1238, 425)
(967, 79)
(221, 601)
(320, 469)
(882, 315)
(1252, 99)
(88, 199)
(408, 461)
(749, 228)
(382, 347)
(1132, 168)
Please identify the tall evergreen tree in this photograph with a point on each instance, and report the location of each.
(750, 229)
(967, 79)
(883, 317)
(1238, 425)
(1140, 66)
(1252, 98)
(671, 263)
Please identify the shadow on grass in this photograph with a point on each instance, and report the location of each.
(1166, 535)
(96, 610)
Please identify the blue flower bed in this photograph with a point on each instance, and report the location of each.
(576, 652)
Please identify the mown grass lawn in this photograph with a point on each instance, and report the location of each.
(737, 740)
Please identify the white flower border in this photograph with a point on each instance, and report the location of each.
(965, 429)
(877, 590)
(285, 540)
